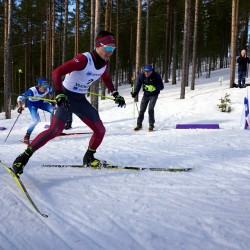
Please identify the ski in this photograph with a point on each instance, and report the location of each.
(115, 167)
(22, 188)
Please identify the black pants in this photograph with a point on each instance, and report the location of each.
(147, 101)
(70, 119)
(241, 79)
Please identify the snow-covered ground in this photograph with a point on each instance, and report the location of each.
(207, 208)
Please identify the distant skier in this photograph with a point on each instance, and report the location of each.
(81, 72)
(40, 91)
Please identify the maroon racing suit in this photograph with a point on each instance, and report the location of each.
(79, 105)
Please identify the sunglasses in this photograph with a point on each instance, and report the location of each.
(108, 48)
(45, 85)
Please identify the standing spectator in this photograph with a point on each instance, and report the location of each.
(81, 72)
(152, 84)
(242, 61)
(33, 104)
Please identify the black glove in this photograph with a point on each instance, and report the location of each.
(119, 99)
(20, 109)
(134, 94)
(62, 99)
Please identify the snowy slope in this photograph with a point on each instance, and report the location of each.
(207, 208)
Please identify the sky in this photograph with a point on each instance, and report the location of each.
(206, 208)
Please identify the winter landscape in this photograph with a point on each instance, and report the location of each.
(206, 208)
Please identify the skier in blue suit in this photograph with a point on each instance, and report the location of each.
(39, 91)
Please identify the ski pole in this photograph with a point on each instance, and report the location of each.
(107, 97)
(43, 99)
(134, 98)
(12, 127)
(49, 100)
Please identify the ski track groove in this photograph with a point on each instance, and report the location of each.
(71, 234)
(134, 244)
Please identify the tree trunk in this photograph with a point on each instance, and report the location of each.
(107, 14)
(77, 28)
(138, 44)
(110, 15)
(233, 41)
(53, 16)
(117, 47)
(131, 77)
(165, 65)
(106, 27)
(26, 52)
(185, 49)
(95, 86)
(174, 44)
(65, 30)
(186, 77)
(92, 25)
(194, 43)
(48, 40)
(7, 58)
(147, 35)
(138, 40)
(41, 45)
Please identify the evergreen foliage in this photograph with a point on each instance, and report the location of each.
(225, 104)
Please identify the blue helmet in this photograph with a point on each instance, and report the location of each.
(42, 80)
(148, 68)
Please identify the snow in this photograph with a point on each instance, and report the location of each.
(207, 208)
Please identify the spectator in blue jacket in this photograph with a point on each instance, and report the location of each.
(151, 83)
(242, 61)
(33, 104)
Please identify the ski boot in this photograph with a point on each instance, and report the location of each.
(138, 127)
(150, 128)
(26, 138)
(90, 161)
(21, 161)
(67, 126)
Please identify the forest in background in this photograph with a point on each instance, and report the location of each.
(172, 35)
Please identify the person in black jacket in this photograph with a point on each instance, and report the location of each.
(242, 61)
(152, 84)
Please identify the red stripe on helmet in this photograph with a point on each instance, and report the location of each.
(105, 40)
